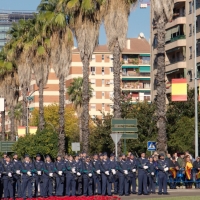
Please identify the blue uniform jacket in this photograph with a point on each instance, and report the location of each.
(132, 164)
(60, 166)
(7, 168)
(69, 166)
(39, 166)
(79, 166)
(122, 165)
(161, 165)
(27, 167)
(140, 165)
(96, 166)
(87, 168)
(49, 167)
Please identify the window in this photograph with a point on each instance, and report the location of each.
(103, 94)
(111, 94)
(111, 57)
(102, 57)
(103, 82)
(145, 60)
(93, 106)
(190, 50)
(111, 81)
(93, 57)
(103, 105)
(102, 70)
(111, 69)
(190, 7)
(93, 70)
(190, 75)
(93, 81)
(190, 27)
(93, 94)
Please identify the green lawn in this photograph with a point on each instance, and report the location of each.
(177, 198)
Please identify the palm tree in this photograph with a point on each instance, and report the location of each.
(84, 18)
(115, 19)
(75, 92)
(163, 12)
(61, 42)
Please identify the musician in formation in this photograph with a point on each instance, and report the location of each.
(83, 175)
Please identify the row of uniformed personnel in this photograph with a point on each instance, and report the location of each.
(81, 175)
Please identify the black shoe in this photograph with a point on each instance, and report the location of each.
(166, 193)
(133, 192)
(139, 193)
(127, 194)
(159, 193)
(153, 193)
(145, 193)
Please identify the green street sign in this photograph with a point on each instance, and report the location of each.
(6, 146)
(124, 129)
(129, 136)
(119, 121)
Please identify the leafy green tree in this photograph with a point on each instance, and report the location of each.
(44, 142)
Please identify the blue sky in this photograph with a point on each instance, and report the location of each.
(139, 20)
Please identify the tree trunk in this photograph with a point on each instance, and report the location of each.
(161, 89)
(12, 123)
(3, 119)
(24, 106)
(79, 113)
(117, 87)
(86, 99)
(41, 106)
(61, 137)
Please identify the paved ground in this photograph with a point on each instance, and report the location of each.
(173, 193)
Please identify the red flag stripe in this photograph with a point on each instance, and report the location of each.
(179, 80)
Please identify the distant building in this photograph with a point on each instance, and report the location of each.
(179, 45)
(6, 20)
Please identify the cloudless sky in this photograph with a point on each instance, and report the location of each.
(139, 20)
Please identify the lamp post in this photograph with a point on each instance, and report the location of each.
(195, 85)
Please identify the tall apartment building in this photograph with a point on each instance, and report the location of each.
(6, 20)
(135, 74)
(179, 47)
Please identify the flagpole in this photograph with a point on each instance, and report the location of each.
(195, 85)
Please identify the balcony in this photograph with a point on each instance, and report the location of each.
(132, 61)
(178, 41)
(175, 64)
(135, 86)
(179, 18)
(179, 1)
(140, 99)
(135, 74)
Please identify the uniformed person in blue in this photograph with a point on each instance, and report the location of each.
(27, 177)
(70, 177)
(87, 177)
(151, 176)
(17, 166)
(163, 168)
(8, 178)
(132, 162)
(97, 174)
(113, 166)
(106, 172)
(142, 175)
(59, 169)
(79, 170)
(48, 177)
(124, 179)
(39, 167)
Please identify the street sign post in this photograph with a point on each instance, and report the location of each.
(126, 126)
(151, 146)
(76, 146)
(116, 137)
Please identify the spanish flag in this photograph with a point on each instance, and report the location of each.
(179, 89)
(173, 172)
(188, 169)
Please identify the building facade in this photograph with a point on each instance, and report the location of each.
(135, 74)
(7, 19)
(179, 49)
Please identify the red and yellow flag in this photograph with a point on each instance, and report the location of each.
(198, 175)
(173, 172)
(188, 169)
(179, 89)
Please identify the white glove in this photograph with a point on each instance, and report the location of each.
(51, 174)
(107, 173)
(9, 174)
(146, 167)
(17, 171)
(60, 173)
(78, 173)
(0, 175)
(90, 174)
(39, 173)
(152, 173)
(114, 171)
(133, 170)
(74, 170)
(29, 174)
(166, 169)
(98, 172)
(125, 171)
